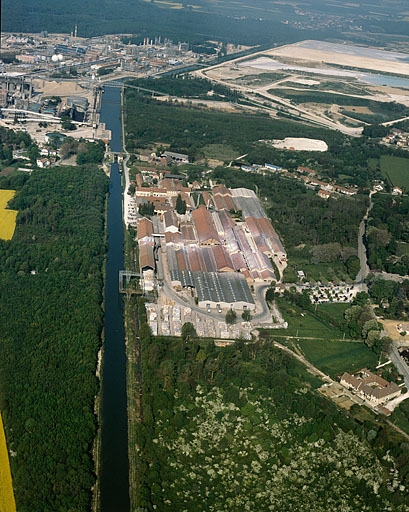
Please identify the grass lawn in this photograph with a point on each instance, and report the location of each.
(373, 163)
(396, 170)
(336, 311)
(403, 248)
(336, 357)
(304, 324)
(321, 343)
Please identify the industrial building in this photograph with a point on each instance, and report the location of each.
(209, 252)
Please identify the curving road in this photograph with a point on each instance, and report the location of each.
(304, 114)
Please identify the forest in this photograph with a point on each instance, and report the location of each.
(227, 22)
(241, 427)
(50, 331)
(388, 234)
(259, 22)
(186, 86)
(10, 139)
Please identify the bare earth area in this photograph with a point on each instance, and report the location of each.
(391, 330)
(298, 52)
(314, 66)
(62, 89)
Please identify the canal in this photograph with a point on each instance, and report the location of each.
(114, 468)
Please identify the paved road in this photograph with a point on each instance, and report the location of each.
(362, 255)
(400, 364)
(265, 92)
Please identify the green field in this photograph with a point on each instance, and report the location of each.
(403, 248)
(336, 357)
(396, 170)
(304, 324)
(320, 342)
(220, 152)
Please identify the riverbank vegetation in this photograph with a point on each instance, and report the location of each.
(50, 330)
(241, 427)
(86, 152)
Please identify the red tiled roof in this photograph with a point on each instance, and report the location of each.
(146, 259)
(206, 232)
(145, 228)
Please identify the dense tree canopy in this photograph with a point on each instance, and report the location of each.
(50, 334)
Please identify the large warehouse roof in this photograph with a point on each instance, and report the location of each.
(227, 289)
(247, 201)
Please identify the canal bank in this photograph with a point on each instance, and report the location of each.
(113, 460)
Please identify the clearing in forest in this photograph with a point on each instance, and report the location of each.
(7, 217)
(7, 503)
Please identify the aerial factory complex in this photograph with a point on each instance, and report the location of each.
(208, 260)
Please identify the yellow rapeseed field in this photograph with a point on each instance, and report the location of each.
(7, 217)
(7, 503)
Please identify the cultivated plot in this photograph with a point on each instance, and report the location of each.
(7, 217)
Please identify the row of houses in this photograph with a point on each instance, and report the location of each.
(397, 137)
(309, 176)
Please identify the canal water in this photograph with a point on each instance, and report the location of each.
(114, 470)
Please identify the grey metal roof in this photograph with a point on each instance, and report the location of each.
(228, 287)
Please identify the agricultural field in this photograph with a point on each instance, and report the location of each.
(7, 503)
(7, 217)
(396, 170)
